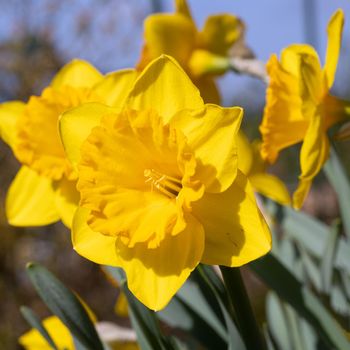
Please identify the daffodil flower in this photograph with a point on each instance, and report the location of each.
(299, 107)
(33, 340)
(61, 336)
(252, 165)
(203, 54)
(159, 185)
(44, 189)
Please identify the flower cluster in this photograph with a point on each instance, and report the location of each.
(149, 172)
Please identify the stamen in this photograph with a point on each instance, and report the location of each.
(168, 185)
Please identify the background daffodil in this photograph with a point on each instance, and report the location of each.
(159, 184)
(252, 165)
(299, 106)
(43, 190)
(203, 54)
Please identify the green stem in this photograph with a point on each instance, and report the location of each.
(244, 313)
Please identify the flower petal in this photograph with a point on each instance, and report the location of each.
(283, 123)
(76, 125)
(67, 200)
(77, 73)
(235, 231)
(30, 200)
(220, 32)
(155, 275)
(210, 135)
(170, 34)
(59, 333)
(314, 153)
(164, 87)
(270, 186)
(9, 112)
(334, 30)
(92, 245)
(181, 7)
(115, 86)
(245, 153)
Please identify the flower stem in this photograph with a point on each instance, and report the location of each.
(238, 296)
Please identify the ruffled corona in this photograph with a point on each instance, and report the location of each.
(137, 175)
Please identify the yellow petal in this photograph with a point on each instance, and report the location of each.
(30, 200)
(270, 186)
(77, 73)
(114, 87)
(164, 87)
(245, 153)
(76, 125)
(235, 231)
(307, 68)
(283, 123)
(155, 275)
(220, 32)
(9, 112)
(314, 153)
(59, 333)
(334, 30)
(67, 200)
(170, 34)
(210, 134)
(90, 244)
(181, 7)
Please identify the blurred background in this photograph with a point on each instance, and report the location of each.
(37, 37)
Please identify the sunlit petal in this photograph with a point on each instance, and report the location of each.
(30, 200)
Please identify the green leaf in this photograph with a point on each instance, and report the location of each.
(64, 304)
(337, 177)
(311, 269)
(327, 263)
(279, 279)
(144, 320)
(213, 282)
(338, 301)
(35, 322)
(195, 310)
(277, 322)
(313, 235)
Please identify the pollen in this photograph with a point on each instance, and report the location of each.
(168, 185)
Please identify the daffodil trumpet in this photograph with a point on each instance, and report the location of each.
(159, 184)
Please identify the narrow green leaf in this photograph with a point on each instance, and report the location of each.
(294, 323)
(35, 322)
(195, 310)
(327, 263)
(277, 277)
(337, 177)
(213, 282)
(338, 301)
(312, 270)
(308, 334)
(277, 322)
(313, 235)
(64, 304)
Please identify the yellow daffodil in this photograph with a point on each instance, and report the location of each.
(61, 336)
(33, 340)
(203, 54)
(299, 106)
(159, 185)
(252, 165)
(44, 189)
